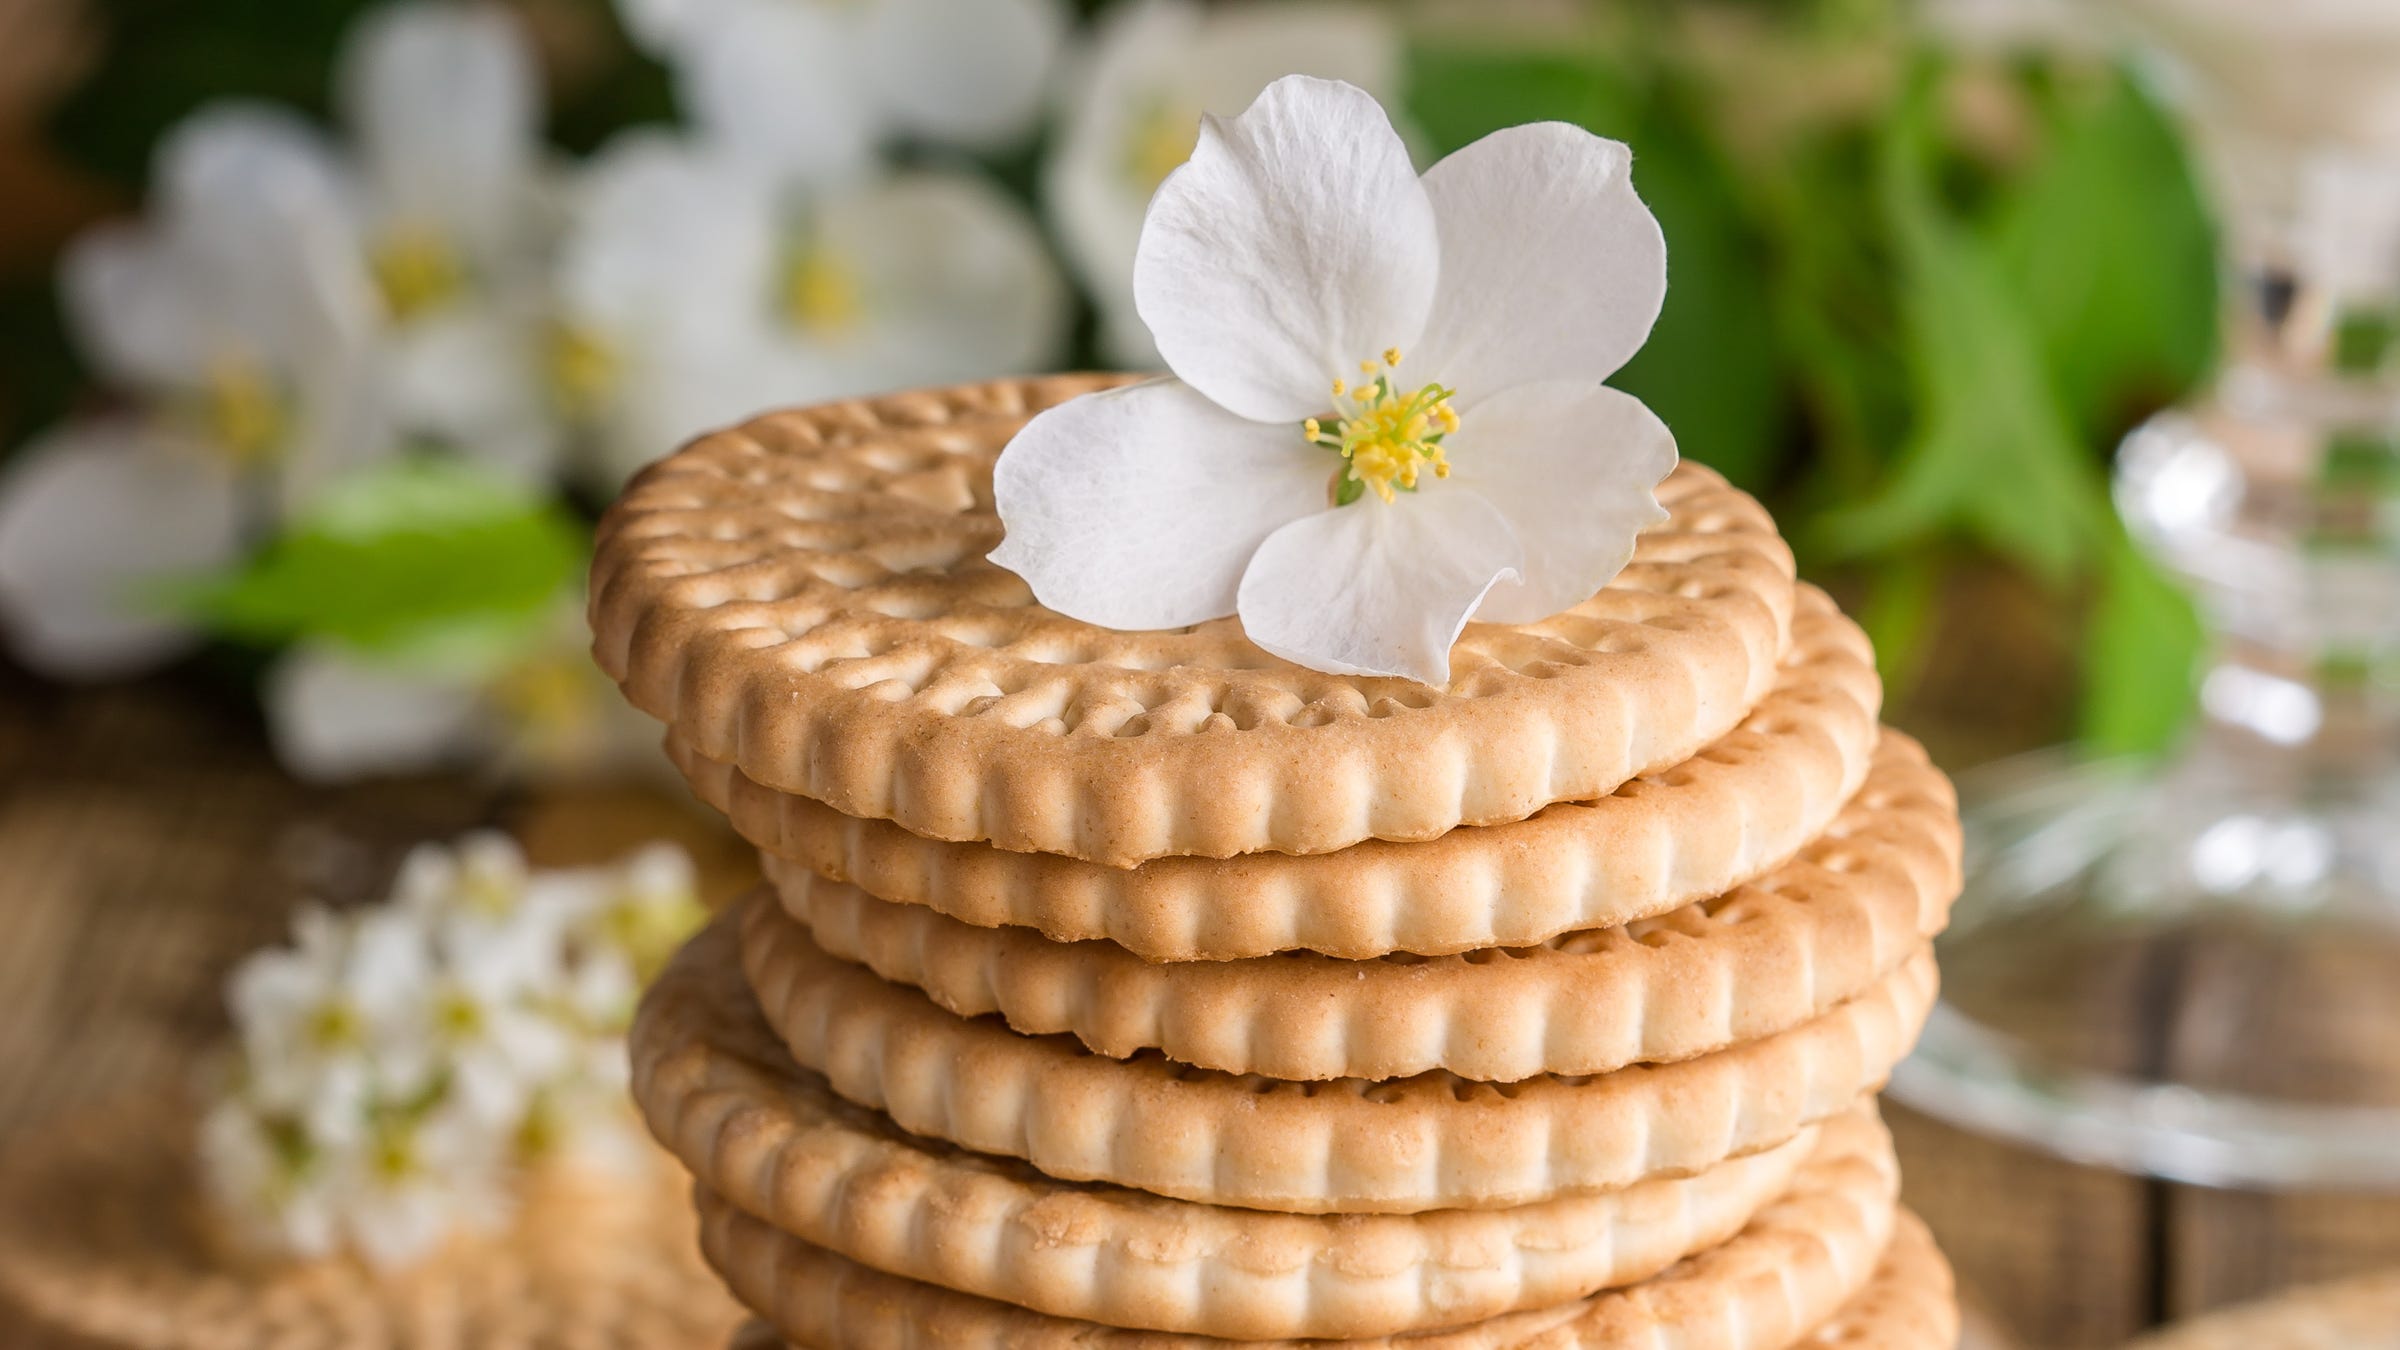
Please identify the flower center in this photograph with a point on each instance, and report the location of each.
(582, 371)
(242, 412)
(418, 271)
(820, 292)
(1162, 138)
(1386, 434)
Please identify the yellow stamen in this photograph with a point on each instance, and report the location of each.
(417, 270)
(582, 370)
(820, 292)
(242, 411)
(1388, 436)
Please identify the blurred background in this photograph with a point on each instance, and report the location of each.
(327, 327)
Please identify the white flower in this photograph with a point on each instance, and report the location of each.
(822, 83)
(696, 287)
(443, 102)
(1133, 115)
(414, 1181)
(335, 1020)
(262, 1175)
(1285, 270)
(241, 319)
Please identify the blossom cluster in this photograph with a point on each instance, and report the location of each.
(399, 1066)
(301, 305)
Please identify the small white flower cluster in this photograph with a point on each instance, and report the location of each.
(399, 1067)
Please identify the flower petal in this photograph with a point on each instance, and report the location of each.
(947, 279)
(1575, 467)
(657, 26)
(1139, 507)
(1378, 588)
(1295, 243)
(90, 516)
(468, 379)
(970, 72)
(333, 717)
(1552, 269)
(262, 218)
(779, 84)
(668, 244)
(1156, 59)
(446, 104)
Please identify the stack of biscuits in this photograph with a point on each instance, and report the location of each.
(1142, 989)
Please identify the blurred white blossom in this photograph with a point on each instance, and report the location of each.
(1133, 115)
(398, 1067)
(243, 322)
(530, 703)
(698, 285)
(289, 311)
(443, 104)
(828, 83)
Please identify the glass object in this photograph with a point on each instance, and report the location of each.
(2192, 970)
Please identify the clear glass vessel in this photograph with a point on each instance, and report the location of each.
(2192, 970)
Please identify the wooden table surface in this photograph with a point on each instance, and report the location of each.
(147, 842)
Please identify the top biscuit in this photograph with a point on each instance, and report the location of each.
(807, 598)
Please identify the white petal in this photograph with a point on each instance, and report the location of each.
(260, 215)
(954, 284)
(1157, 58)
(970, 72)
(1552, 269)
(89, 517)
(446, 104)
(1294, 244)
(1575, 467)
(668, 395)
(1139, 507)
(667, 242)
(1378, 588)
(470, 380)
(334, 716)
(137, 314)
(342, 421)
(780, 84)
(237, 154)
(658, 25)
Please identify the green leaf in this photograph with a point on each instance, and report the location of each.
(1710, 368)
(384, 559)
(1994, 454)
(2142, 643)
(2109, 248)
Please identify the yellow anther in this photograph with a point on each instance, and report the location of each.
(243, 412)
(1386, 435)
(820, 293)
(1366, 367)
(418, 270)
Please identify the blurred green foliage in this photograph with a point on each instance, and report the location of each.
(1914, 298)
